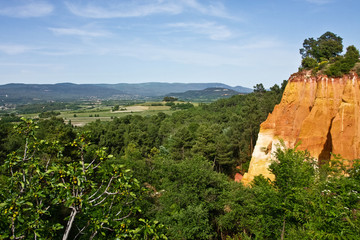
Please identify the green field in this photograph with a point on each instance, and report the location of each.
(104, 113)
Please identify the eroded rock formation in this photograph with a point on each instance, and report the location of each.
(319, 112)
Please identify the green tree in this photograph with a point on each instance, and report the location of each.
(42, 189)
(327, 46)
(352, 55)
(259, 88)
(169, 99)
(116, 108)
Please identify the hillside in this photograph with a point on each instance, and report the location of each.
(27, 93)
(24, 93)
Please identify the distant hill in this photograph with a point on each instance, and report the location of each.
(157, 89)
(27, 93)
(24, 93)
(208, 94)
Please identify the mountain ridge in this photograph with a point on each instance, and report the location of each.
(24, 93)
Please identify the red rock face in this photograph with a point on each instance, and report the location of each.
(320, 113)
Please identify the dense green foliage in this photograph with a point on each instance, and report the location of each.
(57, 179)
(48, 192)
(9, 118)
(344, 64)
(323, 55)
(304, 201)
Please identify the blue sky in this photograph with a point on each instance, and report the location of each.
(236, 42)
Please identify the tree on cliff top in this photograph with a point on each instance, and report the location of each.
(323, 55)
(327, 46)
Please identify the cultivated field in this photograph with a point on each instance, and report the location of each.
(84, 116)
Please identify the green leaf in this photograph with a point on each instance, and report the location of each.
(29, 203)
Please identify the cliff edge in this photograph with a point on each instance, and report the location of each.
(320, 113)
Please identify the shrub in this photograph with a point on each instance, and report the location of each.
(357, 69)
(309, 63)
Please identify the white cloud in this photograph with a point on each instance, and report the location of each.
(77, 32)
(32, 9)
(141, 8)
(211, 29)
(13, 49)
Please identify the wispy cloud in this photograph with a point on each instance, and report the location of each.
(216, 9)
(150, 52)
(123, 10)
(30, 9)
(14, 49)
(77, 32)
(141, 8)
(262, 44)
(17, 49)
(16, 64)
(212, 30)
(320, 2)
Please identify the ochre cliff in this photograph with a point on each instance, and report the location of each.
(319, 112)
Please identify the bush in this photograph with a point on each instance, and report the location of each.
(169, 99)
(48, 114)
(169, 104)
(309, 63)
(181, 106)
(357, 69)
(156, 104)
(343, 65)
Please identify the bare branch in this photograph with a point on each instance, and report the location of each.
(112, 202)
(81, 230)
(91, 163)
(107, 228)
(118, 212)
(120, 219)
(107, 187)
(47, 164)
(111, 193)
(100, 201)
(96, 166)
(69, 223)
(96, 191)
